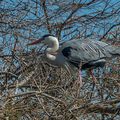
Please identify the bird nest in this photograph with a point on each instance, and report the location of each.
(41, 91)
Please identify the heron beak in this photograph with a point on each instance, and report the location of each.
(35, 42)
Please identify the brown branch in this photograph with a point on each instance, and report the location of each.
(72, 13)
(105, 107)
(38, 93)
(102, 109)
(46, 15)
(113, 26)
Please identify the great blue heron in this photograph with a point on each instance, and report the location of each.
(80, 54)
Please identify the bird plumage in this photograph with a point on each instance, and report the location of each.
(87, 50)
(90, 53)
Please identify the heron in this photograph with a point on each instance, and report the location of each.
(77, 54)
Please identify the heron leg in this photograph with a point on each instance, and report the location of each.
(80, 78)
(78, 84)
(94, 82)
(93, 77)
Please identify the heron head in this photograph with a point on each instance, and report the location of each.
(46, 39)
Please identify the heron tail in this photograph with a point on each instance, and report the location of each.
(116, 51)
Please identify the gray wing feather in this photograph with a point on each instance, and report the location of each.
(88, 50)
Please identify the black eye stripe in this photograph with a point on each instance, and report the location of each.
(47, 35)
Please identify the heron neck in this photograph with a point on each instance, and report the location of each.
(50, 56)
(54, 47)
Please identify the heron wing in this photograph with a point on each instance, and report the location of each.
(87, 50)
